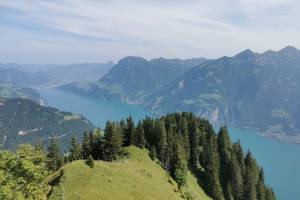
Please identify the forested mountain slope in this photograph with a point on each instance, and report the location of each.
(249, 90)
(8, 90)
(24, 121)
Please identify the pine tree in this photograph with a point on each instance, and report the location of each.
(130, 132)
(140, 135)
(180, 166)
(86, 146)
(194, 144)
(237, 179)
(75, 150)
(160, 130)
(54, 156)
(185, 139)
(112, 142)
(152, 153)
(224, 148)
(270, 194)
(97, 143)
(250, 178)
(260, 187)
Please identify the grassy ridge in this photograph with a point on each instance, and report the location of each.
(137, 177)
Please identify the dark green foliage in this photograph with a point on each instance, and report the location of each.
(38, 122)
(180, 166)
(130, 132)
(86, 146)
(152, 153)
(54, 156)
(140, 136)
(112, 142)
(75, 150)
(182, 141)
(90, 161)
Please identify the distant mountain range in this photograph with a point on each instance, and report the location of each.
(24, 121)
(48, 76)
(134, 78)
(249, 90)
(18, 77)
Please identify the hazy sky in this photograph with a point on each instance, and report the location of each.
(67, 31)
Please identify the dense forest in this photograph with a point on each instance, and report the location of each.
(180, 142)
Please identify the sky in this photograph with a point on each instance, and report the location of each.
(72, 31)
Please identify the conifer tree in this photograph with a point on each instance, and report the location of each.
(54, 156)
(130, 132)
(75, 150)
(140, 135)
(152, 153)
(270, 194)
(112, 142)
(86, 146)
(237, 179)
(260, 187)
(250, 178)
(160, 130)
(224, 148)
(180, 171)
(194, 144)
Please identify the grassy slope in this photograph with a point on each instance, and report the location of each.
(136, 178)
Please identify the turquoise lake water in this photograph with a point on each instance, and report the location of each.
(281, 161)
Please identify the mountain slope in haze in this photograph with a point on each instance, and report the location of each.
(249, 90)
(24, 121)
(11, 74)
(137, 177)
(8, 90)
(81, 72)
(48, 76)
(134, 78)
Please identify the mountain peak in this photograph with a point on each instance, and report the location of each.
(132, 59)
(245, 54)
(289, 49)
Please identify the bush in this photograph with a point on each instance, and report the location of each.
(90, 161)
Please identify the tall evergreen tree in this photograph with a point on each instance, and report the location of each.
(224, 148)
(130, 132)
(112, 142)
(194, 144)
(75, 150)
(54, 156)
(160, 130)
(180, 166)
(260, 187)
(140, 135)
(152, 153)
(86, 146)
(250, 178)
(212, 166)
